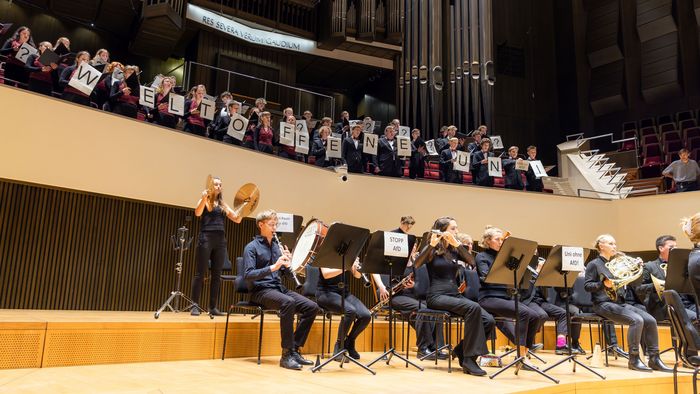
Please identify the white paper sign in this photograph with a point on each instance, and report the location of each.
(395, 244)
(287, 134)
(405, 131)
(368, 127)
(237, 126)
(522, 165)
(157, 81)
(85, 78)
(538, 169)
(207, 109)
(353, 123)
(333, 148)
(496, 142)
(463, 160)
(430, 147)
(147, 97)
(571, 258)
(404, 146)
(495, 167)
(301, 141)
(176, 104)
(24, 52)
(370, 144)
(302, 127)
(336, 135)
(285, 222)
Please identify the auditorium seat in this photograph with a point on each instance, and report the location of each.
(648, 122)
(673, 145)
(684, 115)
(686, 124)
(647, 131)
(671, 156)
(650, 139)
(695, 154)
(693, 143)
(691, 133)
(627, 126)
(667, 127)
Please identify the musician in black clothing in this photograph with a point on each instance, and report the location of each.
(641, 324)
(441, 256)
(533, 184)
(514, 179)
(480, 164)
(40, 74)
(263, 260)
(497, 299)
(352, 150)
(447, 159)
(15, 72)
(416, 167)
(211, 244)
(691, 228)
(387, 161)
(329, 296)
(70, 93)
(442, 141)
(219, 125)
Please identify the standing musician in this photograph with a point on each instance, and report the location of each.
(533, 184)
(447, 159)
(329, 296)
(387, 161)
(441, 258)
(352, 150)
(514, 179)
(211, 244)
(691, 228)
(497, 299)
(641, 324)
(480, 164)
(263, 260)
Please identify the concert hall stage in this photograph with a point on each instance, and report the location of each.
(188, 354)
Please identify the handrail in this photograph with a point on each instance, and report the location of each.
(618, 194)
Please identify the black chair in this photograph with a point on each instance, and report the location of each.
(242, 286)
(584, 301)
(686, 335)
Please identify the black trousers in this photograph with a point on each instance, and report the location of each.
(547, 310)
(425, 330)
(211, 245)
(476, 324)
(356, 313)
(529, 320)
(289, 304)
(641, 325)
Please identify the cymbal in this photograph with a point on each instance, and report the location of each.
(246, 199)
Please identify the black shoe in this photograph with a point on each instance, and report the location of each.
(350, 347)
(299, 358)
(426, 354)
(216, 312)
(577, 349)
(535, 347)
(288, 361)
(618, 350)
(561, 350)
(656, 364)
(442, 355)
(471, 367)
(195, 311)
(636, 364)
(457, 352)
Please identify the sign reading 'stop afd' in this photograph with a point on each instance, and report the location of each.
(255, 36)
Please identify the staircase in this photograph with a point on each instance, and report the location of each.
(596, 176)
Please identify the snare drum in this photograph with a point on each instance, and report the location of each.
(307, 245)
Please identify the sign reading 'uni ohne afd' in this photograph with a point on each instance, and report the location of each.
(255, 36)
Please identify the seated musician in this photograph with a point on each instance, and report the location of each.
(263, 261)
(641, 324)
(356, 314)
(441, 257)
(691, 228)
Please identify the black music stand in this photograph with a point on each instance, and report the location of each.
(376, 262)
(508, 269)
(677, 272)
(552, 275)
(342, 241)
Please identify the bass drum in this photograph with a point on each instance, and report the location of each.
(307, 245)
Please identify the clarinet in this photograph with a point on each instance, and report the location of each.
(297, 283)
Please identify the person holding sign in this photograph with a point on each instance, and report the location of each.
(534, 184)
(447, 159)
(514, 179)
(70, 93)
(124, 96)
(219, 126)
(263, 133)
(112, 73)
(352, 150)
(101, 58)
(318, 150)
(387, 161)
(480, 164)
(641, 324)
(416, 166)
(161, 115)
(211, 244)
(194, 123)
(286, 150)
(232, 108)
(40, 79)
(441, 256)
(254, 115)
(15, 72)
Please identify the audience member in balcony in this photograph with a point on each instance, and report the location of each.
(70, 93)
(352, 150)
(450, 132)
(39, 74)
(416, 167)
(514, 178)
(233, 108)
(286, 113)
(194, 123)
(308, 117)
(318, 149)
(473, 146)
(533, 184)
(254, 113)
(160, 114)
(387, 161)
(124, 96)
(447, 159)
(101, 58)
(65, 62)
(263, 134)
(480, 164)
(343, 122)
(441, 142)
(325, 121)
(483, 130)
(112, 73)
(286, 150)
(15, 71)
(684, 172)
(219, 126)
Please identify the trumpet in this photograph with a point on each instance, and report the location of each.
(394, 289)
(297, 283)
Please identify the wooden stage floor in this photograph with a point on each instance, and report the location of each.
(130, 352)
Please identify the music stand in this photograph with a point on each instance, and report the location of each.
(376, 262)
(342, 242)
(677, 272)
(552, 275)
(508, 269)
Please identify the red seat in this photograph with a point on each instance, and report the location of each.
(647, 131)
(691, 133)
(672, 135)
(651, 150)
(693, 143)
(672, 156)
(695, 154)
(667, 127)
(648, 122)
(629, 126)
(650, 139)
(651, 160)
(627, 146)
(684, 115)
(673, 146)
(686, 124)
